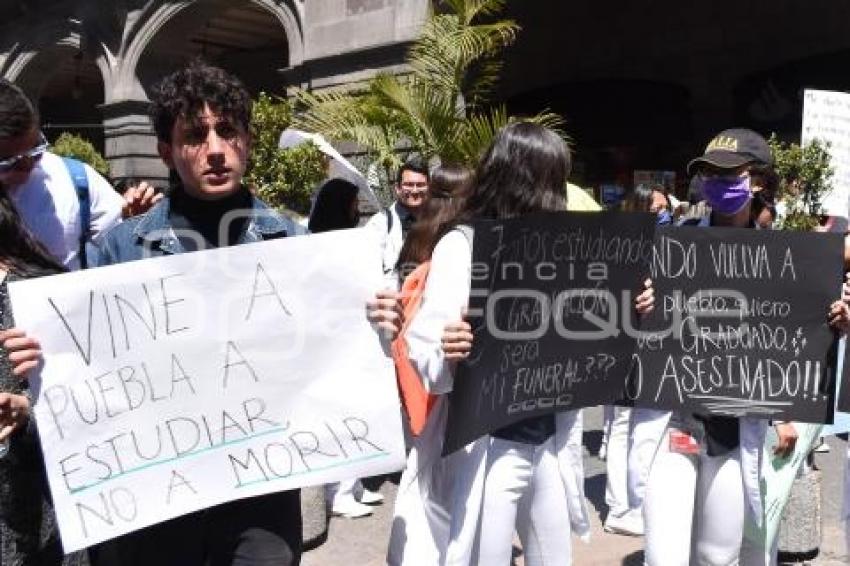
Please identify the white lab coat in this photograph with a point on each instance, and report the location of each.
(446, 294)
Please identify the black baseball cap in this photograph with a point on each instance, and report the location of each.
(733, 148)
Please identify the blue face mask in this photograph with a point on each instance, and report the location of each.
(664, 217)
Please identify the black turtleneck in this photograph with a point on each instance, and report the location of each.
(197, 223)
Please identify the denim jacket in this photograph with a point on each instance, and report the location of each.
(151, 234)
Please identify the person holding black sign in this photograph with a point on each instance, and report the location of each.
(698, 476)
(350, 498)
(527, 477)
(622, 518)
(420, 526)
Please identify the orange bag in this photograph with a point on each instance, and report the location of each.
(416, 399)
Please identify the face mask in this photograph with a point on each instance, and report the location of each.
(726, 196)
(664, 218)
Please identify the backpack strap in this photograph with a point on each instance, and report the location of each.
(389, 214)
(81, 185)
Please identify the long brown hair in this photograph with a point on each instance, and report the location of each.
(447, 188)
(524, 170)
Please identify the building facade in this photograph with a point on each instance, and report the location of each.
(88, 64)
(642, 85)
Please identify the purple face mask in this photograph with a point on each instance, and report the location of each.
(726, 195)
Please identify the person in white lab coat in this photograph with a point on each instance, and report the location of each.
(527, 477)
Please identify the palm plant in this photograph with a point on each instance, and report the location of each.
(439, 109)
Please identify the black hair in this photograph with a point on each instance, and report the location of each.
(17, 114)
(448, 181)
(184, 93)
(524, 170)
(20, 252)
(447, 188)
(761, 201)
(332, 209)
(413, 163)
(764, 176)
(640, 199)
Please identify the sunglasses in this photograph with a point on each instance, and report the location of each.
(33, 154)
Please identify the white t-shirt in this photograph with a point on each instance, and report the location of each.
(49, 206)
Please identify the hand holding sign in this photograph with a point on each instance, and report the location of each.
(740, 329)
(385, 312)
(24, 351)
(552, 306)
(14, 412)
(645, 302)
(787, 439)
(457, 340)
(839, 316)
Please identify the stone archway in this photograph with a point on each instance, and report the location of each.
(68, 89)
(250, 38)
(62, 79)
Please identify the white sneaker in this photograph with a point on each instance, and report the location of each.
(369, 497)
(350, 509)
(822, 447)
(627, 525)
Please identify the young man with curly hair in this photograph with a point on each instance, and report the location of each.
(202, 117)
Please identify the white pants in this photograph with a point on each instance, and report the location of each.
(524, 491)
(694, 512)
(422, 518)
(847, 501)
(607, 422)
(616, 486)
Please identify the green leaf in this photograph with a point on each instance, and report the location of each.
(805, 177)
(72, 145)
(281, 177)
(440, 108)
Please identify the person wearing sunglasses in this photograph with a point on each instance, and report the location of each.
(40, 185)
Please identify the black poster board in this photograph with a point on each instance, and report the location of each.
(547, 313)
(740, 324)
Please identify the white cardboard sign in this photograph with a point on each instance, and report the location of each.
(174, 384)
(826, 116)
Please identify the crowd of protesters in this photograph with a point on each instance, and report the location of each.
(686, 482)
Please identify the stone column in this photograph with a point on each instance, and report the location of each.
(130, 143)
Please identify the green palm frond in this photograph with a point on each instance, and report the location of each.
(343, 117)
(480, 129)
(429, 116)
(440, 108)
(448, 51)
(478, 132)
(468, 10)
